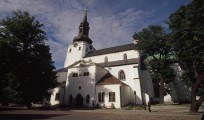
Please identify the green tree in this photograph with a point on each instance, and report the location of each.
(153, 44)
(32, 71)
(187, 28)
(6, 68)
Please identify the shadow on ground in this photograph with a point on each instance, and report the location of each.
(27, 116)
(6, 108)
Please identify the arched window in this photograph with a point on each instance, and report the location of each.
(125, 56)
(57, 96)
(121, 75)
(87, 99)
(106, 59)
(79, 48)
(70, 50)
(81, 29)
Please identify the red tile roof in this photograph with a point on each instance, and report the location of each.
(108, 79)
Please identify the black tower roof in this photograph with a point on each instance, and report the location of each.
(83, 31)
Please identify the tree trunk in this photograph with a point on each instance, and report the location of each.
(194, 107)
(161, 90)
(195, 104)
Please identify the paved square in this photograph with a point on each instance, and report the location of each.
(158, 113)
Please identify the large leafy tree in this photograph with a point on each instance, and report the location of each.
(28, 70)
(188, 35)
(154, 47)
(7, 58)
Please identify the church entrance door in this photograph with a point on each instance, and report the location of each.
(79, 100)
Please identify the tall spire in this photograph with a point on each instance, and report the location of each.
(83, 30)
(85, 16)
(84, 26)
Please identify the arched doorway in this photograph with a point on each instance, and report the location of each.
(79, 101)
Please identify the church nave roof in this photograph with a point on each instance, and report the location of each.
(111, 50)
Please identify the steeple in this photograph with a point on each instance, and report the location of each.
(85, 16)
(83, 31)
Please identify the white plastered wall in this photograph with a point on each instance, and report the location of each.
(52, 98)
(146, 84)
(109, 88)
(125, 95)
(87, 83)
(132, 80)
(113, 56)
(75, 54)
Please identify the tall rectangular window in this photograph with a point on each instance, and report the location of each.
(101, 96)
(86, 73)
(111, 96)
(75, 75)
(57, 96)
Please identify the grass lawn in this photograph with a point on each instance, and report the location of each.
(133, 107)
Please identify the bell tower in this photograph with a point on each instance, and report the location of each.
(81, 44)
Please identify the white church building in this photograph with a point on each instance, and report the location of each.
(107, 77)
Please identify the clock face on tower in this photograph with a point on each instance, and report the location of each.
(75, 44)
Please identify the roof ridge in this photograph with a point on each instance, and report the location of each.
(116, 46)
(112, 50)
(108, 79)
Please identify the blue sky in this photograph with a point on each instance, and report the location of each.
(112, 22)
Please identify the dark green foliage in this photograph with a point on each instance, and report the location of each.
(154, 44)
(153, 40)
(188, 38)
(26, 65)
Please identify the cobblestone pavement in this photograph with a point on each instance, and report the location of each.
(158, 113)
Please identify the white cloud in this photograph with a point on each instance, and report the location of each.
(61, 24)
(61, 19)
(58, 52)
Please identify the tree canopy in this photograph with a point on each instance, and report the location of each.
(153, 44)
(188, 43)
(27, 70)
